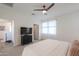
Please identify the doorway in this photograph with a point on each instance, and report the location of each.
(6, 32)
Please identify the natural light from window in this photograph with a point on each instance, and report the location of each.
(49, 27)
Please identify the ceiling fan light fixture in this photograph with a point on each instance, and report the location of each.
(44, 12)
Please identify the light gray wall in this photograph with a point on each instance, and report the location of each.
(67, 27)
(18, 19)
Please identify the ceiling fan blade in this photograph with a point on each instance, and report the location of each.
(38, 9)
(50, 6)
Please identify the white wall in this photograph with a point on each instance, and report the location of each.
(2, 36)
(19, 19)
(68, 27)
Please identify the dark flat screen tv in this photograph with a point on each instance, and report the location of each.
(25, 30)
(30, 30)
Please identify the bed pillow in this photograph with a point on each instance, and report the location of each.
(73, 49)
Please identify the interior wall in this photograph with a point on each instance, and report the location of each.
(7, 13)
(68, 27)
(2, 32)
(24, 21)
(19, 19)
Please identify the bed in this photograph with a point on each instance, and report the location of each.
(48, 47)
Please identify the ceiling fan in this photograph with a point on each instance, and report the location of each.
(44, 10)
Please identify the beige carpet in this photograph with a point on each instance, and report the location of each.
(9, 50)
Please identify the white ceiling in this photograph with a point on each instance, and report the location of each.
(58, 9)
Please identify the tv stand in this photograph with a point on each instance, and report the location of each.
(26, 39)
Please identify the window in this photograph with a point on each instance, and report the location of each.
(49, 27)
